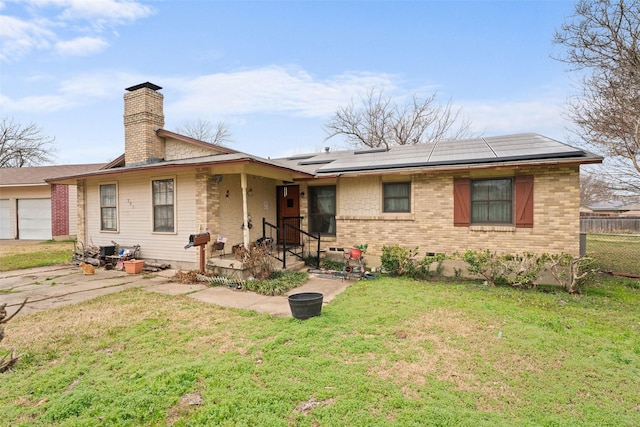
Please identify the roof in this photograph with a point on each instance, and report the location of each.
(37, 175)
(203, 161)
(522, 149)
(606, 206)
(163, 133)
(451, 154)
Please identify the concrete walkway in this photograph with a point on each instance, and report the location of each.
(50, 287)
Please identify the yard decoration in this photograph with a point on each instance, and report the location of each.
(9, 359)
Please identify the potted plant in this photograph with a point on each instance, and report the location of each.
(358, 250)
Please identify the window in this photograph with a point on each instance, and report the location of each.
(108, 207)
(322, 209)
(163, 199)
(492, 201)
(397, 196)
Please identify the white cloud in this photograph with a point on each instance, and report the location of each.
(77, 91)
(544, 115)
(20, 36)
(81, 46)
(113, 11)
(273, 90)
(71, 27)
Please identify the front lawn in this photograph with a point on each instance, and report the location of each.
(36, 254)
(385, 352)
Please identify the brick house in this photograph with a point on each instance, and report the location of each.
(508, 194)
(32, 209)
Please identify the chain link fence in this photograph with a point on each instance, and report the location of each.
(617, 253)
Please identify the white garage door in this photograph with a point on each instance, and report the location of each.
(5, 230)
(34, 219)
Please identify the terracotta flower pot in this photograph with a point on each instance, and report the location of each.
(356, 253)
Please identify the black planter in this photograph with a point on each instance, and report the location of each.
(305, 305)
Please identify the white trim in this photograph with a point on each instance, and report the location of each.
(100, 184)
(175, 207)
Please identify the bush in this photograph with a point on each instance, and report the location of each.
(520, 271)
(399, 261)
(572, 272)
(329, 264)
(485, 264)
(278, 283)
(257, 260)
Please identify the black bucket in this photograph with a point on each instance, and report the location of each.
(305, 305)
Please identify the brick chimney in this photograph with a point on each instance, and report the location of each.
(142, 116)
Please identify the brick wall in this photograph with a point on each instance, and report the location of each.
(143, 112)
(429, 226)
(207, 205)
(81, 234)
(179, 150)
(59, 211)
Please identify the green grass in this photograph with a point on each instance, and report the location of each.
(35, 255)
(385, 352)
(618, 253)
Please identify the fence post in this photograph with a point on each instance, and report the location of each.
(583, 244)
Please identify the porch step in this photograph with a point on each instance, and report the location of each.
(295, 264)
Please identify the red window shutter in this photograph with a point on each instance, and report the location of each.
(461, 201)
(524, 201)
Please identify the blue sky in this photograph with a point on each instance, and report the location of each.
(275, 72)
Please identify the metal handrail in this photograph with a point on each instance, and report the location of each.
(283, 232)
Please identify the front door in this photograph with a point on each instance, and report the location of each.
(289, 213)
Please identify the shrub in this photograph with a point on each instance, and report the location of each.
(520, 270)
(399, 261)
(525, 269)
(278, 283)
(257, 260)
(572, 272)
(329, 264)
(486, 264)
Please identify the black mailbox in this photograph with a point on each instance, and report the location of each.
(198, 240)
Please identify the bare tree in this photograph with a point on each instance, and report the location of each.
(602, 43)
(204, 131)
(595, 189)
(380, 122)
(23, 145)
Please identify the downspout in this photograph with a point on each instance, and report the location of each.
(245, 213)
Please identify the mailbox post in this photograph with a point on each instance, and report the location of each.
(201, 241)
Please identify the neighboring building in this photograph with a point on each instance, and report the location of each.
(611, 209)
(517, 193)
(630, 210)
(32, 209)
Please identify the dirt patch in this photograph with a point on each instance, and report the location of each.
(311, 404)
(186, 405)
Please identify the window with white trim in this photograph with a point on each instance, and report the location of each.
(163, 205)
(108, 207)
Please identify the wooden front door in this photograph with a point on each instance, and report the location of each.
(289, 213)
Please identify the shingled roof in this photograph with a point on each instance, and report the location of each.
(37, 175)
